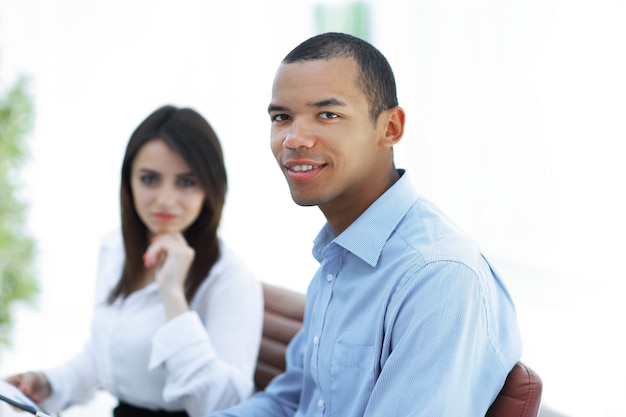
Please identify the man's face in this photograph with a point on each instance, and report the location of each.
(322, 135)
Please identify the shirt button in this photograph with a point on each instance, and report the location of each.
(329, 277)
(320, 403)
(316, 340)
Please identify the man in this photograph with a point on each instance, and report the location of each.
(404, 317)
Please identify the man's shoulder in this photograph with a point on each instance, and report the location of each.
(427, 230)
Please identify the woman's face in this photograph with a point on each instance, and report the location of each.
(166, 193)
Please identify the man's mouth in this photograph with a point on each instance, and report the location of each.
(302, 168)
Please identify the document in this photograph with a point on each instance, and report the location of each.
(10, 394)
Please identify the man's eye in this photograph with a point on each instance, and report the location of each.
(328, 115)
(280, 117)
(149, 179)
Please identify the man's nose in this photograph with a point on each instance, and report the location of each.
(299, 135)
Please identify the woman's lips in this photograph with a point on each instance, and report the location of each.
(165, 217)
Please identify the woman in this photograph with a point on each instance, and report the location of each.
(178, 317)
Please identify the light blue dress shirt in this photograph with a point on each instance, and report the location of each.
(405, 317)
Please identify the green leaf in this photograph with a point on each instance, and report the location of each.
(17, 248)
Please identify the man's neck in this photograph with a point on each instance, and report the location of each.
(341, 216)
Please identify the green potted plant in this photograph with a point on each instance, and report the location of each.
(17, 248)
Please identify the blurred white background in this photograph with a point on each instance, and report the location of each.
(515, 126)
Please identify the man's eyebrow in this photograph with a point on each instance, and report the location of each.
(274, 107)
(328, 102)
(318, 104)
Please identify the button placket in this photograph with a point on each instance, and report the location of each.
(329, 268)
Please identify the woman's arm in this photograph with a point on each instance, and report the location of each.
(209, 353)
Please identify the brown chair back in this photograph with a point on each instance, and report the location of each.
(520, 396)
(284, 312)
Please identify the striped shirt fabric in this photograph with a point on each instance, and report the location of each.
(404, 317)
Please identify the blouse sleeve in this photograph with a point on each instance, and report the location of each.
(76, 380)
(209, 353)
(73, 382)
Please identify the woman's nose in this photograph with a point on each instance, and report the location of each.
(166, 195)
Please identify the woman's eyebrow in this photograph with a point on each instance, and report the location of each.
(148, 170)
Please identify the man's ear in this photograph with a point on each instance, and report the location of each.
(394, 126)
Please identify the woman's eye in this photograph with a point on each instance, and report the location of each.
(149, 179)
(187, 182)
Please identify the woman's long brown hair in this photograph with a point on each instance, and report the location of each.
(189, 134)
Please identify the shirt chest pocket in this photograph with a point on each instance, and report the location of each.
(353, 374)
(353, 356)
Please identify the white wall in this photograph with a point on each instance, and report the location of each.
(515, 127)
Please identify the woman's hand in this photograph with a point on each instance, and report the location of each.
(33, 384)
(171, 257)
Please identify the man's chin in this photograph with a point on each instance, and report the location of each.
(306, 204)
(304, 201)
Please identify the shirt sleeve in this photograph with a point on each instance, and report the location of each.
(282, 395)
(76, 380)
(209, 354)
(445, 356)
(73, 382)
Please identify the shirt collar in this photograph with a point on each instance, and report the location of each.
(367, 235)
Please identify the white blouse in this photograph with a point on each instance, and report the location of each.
(200, 361)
